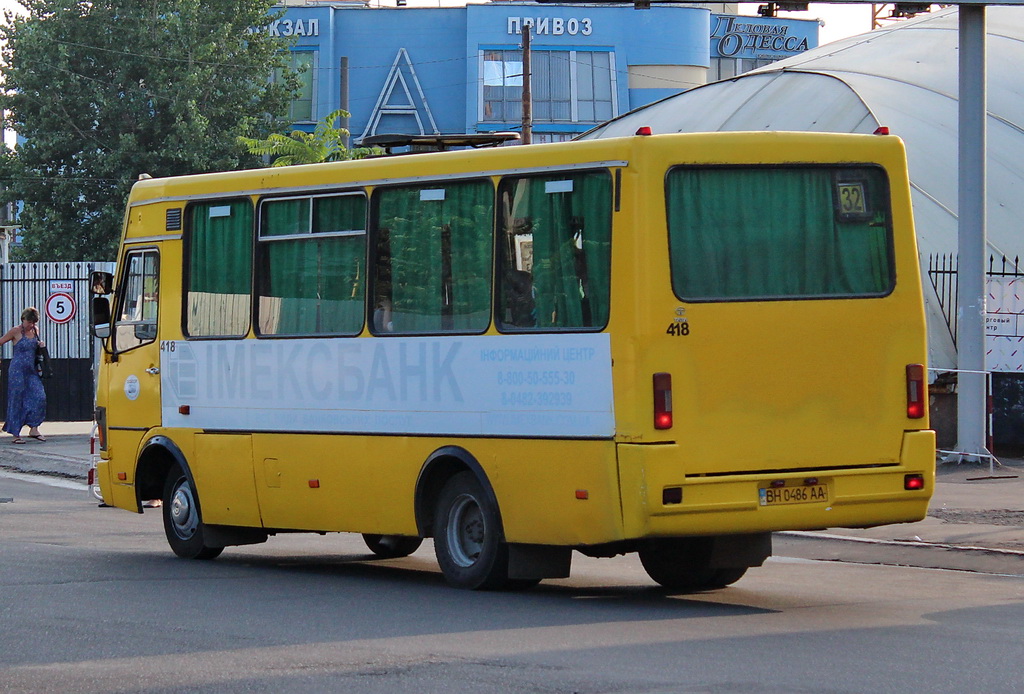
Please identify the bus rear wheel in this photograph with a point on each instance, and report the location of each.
(392, 546)
(466, 537)
(683, 565)
(183, 523)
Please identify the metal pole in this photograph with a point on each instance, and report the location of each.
(973, 243)
(527, 93)
(343, 96)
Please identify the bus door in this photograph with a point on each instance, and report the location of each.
(133, 371)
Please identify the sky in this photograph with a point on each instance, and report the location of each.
(840, 20)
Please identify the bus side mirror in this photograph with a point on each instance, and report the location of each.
(101, 316)
(100, 283)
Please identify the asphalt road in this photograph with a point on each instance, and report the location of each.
(91, 600)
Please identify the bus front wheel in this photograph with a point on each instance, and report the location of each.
(466, 537)
(183, 523)
(392, 546)
(683, 565)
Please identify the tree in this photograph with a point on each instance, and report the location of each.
(102, 91)
(325, 143)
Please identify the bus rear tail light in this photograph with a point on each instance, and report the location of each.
(913, 482)
(662, 401)
(916, 392)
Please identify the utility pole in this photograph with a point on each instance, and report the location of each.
(527, 95)
(343, 100)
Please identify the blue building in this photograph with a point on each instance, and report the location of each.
(459, 70)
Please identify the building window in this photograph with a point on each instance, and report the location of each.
(727, 68)
(301, 108)
(567, 86)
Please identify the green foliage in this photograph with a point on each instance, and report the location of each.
(105, 90)
(325, 143)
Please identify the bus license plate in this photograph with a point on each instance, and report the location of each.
(808, 494)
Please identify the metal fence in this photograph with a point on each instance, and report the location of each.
(942, 271)
(72, 349)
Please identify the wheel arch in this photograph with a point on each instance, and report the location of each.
(439, 467)
(158, 455)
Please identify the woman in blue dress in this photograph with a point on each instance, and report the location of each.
(26, 399)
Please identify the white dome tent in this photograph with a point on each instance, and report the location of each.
(905, 77)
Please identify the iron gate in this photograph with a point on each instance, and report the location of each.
(70, 393)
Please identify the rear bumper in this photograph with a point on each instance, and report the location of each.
(856, 497)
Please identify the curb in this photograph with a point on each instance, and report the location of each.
(902, 543)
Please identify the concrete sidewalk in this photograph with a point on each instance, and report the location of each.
(968, 508)
(65, 453)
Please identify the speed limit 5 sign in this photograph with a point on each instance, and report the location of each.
(60, 307)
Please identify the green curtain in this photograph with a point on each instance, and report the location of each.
(319, 280)
(571, 243)
(291, 276)
(284, 217)
(220, 268)
(220, 248)
(339, 213)
(774, 232)
(437, 272)
(342, 269)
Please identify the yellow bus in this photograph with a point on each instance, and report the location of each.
(671, 345)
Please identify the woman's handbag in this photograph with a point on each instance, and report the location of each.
(43, 367)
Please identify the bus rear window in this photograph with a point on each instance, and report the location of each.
(756, 233)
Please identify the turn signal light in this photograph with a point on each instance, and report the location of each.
(916, 391)
(913, 482)
(662, 401)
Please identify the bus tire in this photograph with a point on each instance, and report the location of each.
(467, 541)
(726, 577)
(392, 546)
(183, 523)
(683, 565)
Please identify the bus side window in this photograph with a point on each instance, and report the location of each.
(554, 252)
(432, 266)
(312, 257)
(219, 268)
(136, 320)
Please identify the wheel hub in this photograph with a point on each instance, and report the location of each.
(183, 514)
(467, 531)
